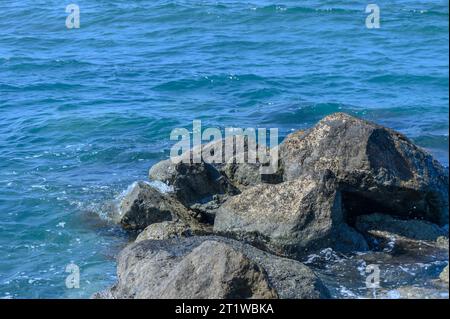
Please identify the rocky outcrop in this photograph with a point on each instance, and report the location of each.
(344, 185)
(209, 267)
(378, 169)
(144, 205)
(290, 218)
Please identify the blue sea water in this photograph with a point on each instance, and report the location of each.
(85, 112)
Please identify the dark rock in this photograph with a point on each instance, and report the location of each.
(237, 171)
(378, 169)
(192, 182)
(144, 205)
(402, 236)
(206, 212)
(413, 229)
(209, 267)
(290, 218)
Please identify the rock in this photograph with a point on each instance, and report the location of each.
(163, 171)
(413, 229)
(207, 211)
(245, 168)
(244, 175)
(192, 182)
(401, 236)
(165, 230)
(209, 267)
(378, 169)
(238, 169)
(444, 275)
(290, 218)
(144, 205)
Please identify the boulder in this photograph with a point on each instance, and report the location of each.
(378, 169)
(209, 267)
(144, 205)
(290, 218)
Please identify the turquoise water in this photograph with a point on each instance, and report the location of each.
(85, 112)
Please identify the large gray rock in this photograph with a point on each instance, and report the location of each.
(144, 205)
(290, 218)
(209, 267)
(378, 169)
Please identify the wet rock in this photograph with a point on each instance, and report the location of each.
(165, 230)
(144, 205)
(290, 218)
(206, 212)
(413, 229)
(236, 159)
(444, 275)
(209, 267)
(192, 182)
(378, 169)
(399, 236)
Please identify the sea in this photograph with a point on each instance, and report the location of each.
(86, 108)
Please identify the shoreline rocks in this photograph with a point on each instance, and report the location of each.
(379, 170)
(225, 230)
(209, 267)
(290, 218)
